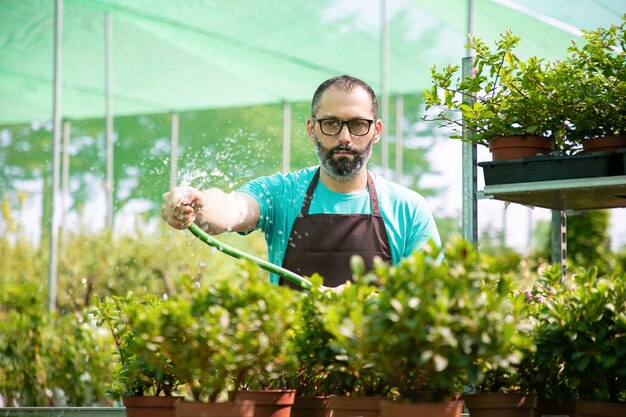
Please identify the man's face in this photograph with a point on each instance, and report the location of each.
(344, 155)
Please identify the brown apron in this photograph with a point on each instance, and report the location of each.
(324, 243)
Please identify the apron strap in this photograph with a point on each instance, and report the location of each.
(311, 190)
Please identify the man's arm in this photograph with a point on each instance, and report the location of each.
(213, 210)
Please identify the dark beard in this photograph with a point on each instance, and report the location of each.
(344, 168)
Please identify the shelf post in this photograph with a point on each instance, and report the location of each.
(469, 211)
(559, 240)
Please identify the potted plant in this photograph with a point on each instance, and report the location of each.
(218, 336)
(580, 359)
(596, 70)
(311, 346)
(142, 376)
(436, 323)
(500, 388)
(272, 317)
(360, 383)
(504, 100)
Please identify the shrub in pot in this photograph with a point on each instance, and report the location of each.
(226, 335)
(596, 70)
(360, 381)
(142, 377)
(503, 97)
(579, 334)
(437, 322)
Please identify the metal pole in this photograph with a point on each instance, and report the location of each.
(56, 148)
(109, 121)
(286, 136)
(384, 142)
(559, 240)
(399, 136)
(469, 222)
(468, 166)
(174, 150)
(65, 173)
(470, 23)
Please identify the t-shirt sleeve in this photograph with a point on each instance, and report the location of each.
(423, 227)
(265, 190)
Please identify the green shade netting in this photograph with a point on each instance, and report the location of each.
(202, 54)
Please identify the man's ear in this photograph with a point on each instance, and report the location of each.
(378, 126)
(310, 128)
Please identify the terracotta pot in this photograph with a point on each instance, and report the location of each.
(405, 409)
(310, 407)
(150, 405)
(341, 406)
(492, 404)
(240, 409)
(515, 147)
(268, 403)
(580, 408)
(604, 144)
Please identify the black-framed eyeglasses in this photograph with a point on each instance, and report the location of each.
(332, 127)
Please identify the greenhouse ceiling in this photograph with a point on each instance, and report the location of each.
(184, 55)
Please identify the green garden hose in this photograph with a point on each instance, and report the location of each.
(229, 250)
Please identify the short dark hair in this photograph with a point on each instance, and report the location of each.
(346, 83)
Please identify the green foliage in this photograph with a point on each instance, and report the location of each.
(579, 333)
(230, 333)
(140, 369)
(579, 98)
(47, 359)
(588, 241)
(596, 90)
(311, 344)
(348, 317)
(503, 96)
(65, 360)
(436, 325)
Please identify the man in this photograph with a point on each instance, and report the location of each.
(316, 218)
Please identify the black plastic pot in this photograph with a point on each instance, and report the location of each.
(552, 167)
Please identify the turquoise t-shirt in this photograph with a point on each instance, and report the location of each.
(407, 217)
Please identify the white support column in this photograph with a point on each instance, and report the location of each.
(559, 241)
(286, 166)
(384, 140)
(56, 157)
(399, 136)
(65, 173)
(174, 149)
(109, 120)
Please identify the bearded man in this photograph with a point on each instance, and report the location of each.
(315, 219)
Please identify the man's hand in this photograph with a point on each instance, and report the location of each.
(181, 205)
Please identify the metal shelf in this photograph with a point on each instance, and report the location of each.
(574, 194)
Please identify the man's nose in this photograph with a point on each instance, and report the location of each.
(344, 135)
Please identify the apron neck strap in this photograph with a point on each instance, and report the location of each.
(311, 190)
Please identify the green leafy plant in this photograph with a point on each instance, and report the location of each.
(595, 93)
(348, 316)
(439, 325)
(141, 368)
(503, 95)
(229, 334)
(579, 332)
